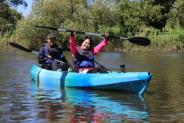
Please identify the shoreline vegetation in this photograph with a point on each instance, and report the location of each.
(161, 22)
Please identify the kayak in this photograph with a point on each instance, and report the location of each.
(133, 82)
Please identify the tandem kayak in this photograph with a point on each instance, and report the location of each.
(133, 82)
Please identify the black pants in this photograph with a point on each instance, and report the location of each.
(55, 66)
(98, 70)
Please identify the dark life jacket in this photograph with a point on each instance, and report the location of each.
(54, 51)
(84, 59)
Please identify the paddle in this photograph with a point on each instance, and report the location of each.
(102, 66)
(142, 41)
(20, 47)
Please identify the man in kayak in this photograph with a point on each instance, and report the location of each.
(84, 54)
(50, 53)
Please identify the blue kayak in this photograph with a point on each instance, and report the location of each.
(133, 82)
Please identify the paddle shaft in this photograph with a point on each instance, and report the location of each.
(101, 66)
(141, 41)
(61, 62)
(89, 33)
(20, 47)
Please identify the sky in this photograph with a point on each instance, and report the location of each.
(25, 10)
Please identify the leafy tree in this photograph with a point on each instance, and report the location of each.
(123, 17)
(177, 14)
(165, 7)
(103, 14)
(145, 12)
(129, 16)
(8, 16)
(69, 14)
(151, 15)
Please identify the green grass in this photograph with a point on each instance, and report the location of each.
(168, 40)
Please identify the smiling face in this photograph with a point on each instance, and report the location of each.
(86, 44)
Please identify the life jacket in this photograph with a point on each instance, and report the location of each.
(84, 59)
(46, 52)
(54, 51)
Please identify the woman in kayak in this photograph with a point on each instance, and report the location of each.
(84, 54)
(49, 52)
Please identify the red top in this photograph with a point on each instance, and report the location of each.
(95, 50)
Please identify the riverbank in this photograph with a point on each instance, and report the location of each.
(124, 48)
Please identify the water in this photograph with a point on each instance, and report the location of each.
(22, 101)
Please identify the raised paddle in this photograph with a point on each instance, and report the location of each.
(142, 41)
(20, 47)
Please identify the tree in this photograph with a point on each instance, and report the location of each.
(68, 14)
(9, 16)
(177, 14)
(145, 12)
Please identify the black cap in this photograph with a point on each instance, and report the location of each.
(51, 35)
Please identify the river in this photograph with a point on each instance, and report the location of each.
(21, 101)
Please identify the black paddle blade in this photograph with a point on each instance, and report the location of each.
(142, 41)
(18, 46)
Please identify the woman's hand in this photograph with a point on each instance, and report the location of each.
(73, 33)
(108, 35)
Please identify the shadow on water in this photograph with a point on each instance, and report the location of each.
(76, 105)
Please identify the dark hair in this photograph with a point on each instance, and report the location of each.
(91, 41)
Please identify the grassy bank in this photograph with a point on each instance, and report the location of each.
(169, 40)
(4, 42)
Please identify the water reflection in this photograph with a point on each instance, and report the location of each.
(76, 105)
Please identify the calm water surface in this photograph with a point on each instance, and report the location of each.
(22, 101)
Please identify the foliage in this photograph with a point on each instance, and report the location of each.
(160, 20)
(9, 16)
(66, 14)
(177, 14)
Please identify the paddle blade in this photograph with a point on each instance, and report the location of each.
(142, 41)
(13, 44)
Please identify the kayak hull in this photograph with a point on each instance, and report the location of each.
(134, 82)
